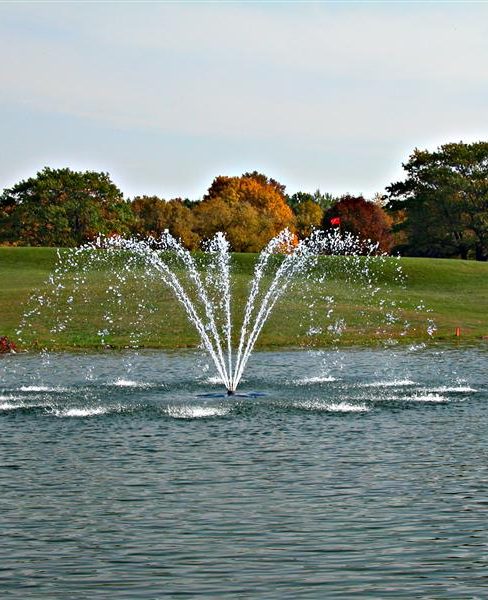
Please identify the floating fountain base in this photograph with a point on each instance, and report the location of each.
(233, 394)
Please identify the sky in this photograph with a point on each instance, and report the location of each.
(167, 95)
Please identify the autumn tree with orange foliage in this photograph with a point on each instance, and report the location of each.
(250, 209)
(365, 219)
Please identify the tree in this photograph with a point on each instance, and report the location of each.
(325, 201)
(60, 207)
(444, 201)
(250, 209)
(266, 181)
(365, 219)
(152, 215)
(309, 216)
(309, 210)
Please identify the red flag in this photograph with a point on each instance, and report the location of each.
(335, 221)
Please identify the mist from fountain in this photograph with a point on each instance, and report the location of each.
(203, 284)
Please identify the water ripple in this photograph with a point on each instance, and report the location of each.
(317, 490)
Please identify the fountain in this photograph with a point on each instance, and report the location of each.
(202, 284)
(330, 440)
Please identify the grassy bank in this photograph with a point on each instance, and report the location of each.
(456, 292)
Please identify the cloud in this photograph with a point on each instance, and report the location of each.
(256, 78)
(234, 71)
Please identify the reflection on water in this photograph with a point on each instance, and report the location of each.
(359, 474)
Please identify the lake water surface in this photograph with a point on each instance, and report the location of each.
(361, 473)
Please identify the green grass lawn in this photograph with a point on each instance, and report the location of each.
(456, 293)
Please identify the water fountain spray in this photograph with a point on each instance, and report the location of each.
(203, 284)
(207, 296)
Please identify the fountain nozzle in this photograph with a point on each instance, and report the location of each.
(230, 392)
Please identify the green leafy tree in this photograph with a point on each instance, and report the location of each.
(325, 201)
(443, 202)
(60, 207)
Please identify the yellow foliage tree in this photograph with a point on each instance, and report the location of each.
(309, 216)
(250, 209)
(153, 215)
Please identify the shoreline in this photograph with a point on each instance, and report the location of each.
(414, 344)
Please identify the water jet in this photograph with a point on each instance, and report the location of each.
(203, 285)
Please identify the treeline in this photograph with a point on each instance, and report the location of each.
(60, 207)
(440, 209)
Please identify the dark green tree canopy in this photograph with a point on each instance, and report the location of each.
(61, 207)
(324, 201)
(442, 205)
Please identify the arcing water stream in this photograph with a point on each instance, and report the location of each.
(205, 288)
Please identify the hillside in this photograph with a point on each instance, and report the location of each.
(455, 292)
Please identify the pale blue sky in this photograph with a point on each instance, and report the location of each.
(165, 96)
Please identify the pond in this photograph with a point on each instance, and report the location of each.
(359, 473)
